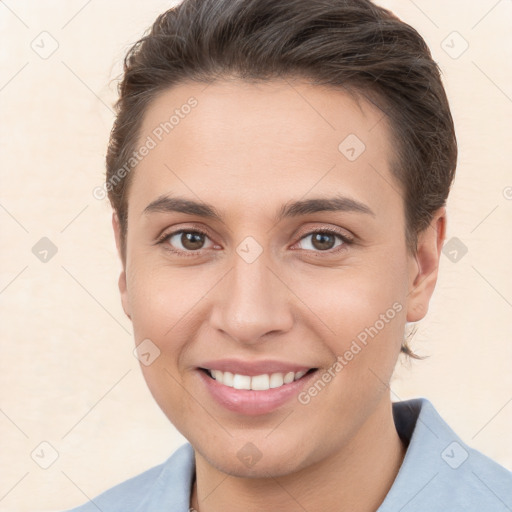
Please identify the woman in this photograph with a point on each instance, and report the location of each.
(279, 173)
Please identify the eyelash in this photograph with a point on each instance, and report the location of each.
(165, 237)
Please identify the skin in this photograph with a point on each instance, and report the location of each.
(248, 149)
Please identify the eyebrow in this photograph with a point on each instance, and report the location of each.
(167, 204)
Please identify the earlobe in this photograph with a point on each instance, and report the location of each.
(123, 289)
(124, 293)
(424, 266)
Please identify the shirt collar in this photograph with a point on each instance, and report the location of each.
(427, 435)
(173, 486)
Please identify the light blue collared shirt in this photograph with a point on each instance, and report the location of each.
(439, 473)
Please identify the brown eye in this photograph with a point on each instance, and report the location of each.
(322, 241)
(192, 240)
(186, 241)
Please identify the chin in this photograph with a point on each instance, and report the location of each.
(251, 462)
(272, 467)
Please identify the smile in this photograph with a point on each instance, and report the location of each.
(261, 382)
(257, 393)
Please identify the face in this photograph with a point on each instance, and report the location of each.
(266, 238)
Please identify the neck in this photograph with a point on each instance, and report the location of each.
(356, 478)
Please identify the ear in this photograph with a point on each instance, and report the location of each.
(424, 266)
(122, 277)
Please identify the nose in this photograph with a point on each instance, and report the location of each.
(252, 302)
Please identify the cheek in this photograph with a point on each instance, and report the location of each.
(362, 312)
(166, 305)
(351, 299)
(160, 302)
(365, 317)
(162, 297)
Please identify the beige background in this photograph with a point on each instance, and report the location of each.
(68, 373)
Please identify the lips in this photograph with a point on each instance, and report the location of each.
(255, 387)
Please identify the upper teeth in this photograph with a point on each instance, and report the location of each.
(258, 382)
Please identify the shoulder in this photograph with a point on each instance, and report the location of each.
(170, 480)
(440, 471)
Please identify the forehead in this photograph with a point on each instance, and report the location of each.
(262, 143)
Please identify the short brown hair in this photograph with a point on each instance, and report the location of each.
(350, 44)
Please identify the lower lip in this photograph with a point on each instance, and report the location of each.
(250, 402)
